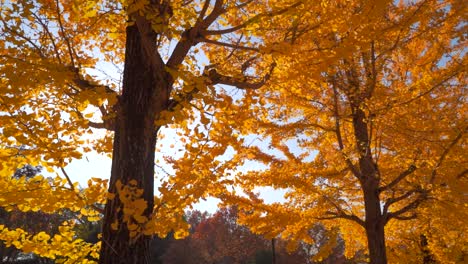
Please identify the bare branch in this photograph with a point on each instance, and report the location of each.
(423, 194)
(341, 213)
(249, 21)
(218, 9)
(241, 83)
(435, 86)
(191, 36)
(51, 38)
(400, 177)
(28, 40)
(229, 45)
(409, 217)
(234, 50)
(350, 165)
(72, 187)
(67, 41)
(445, 153)
(462, 174)
(204, 9)
(394, 200)
(334, 215)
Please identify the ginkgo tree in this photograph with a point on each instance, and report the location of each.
(364, 125)
(51, 99)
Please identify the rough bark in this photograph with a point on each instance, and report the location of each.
(374, 225)
(134, 148)
(370, 180)
(273, 251)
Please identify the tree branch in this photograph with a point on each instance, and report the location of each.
(229, 45)
(409, 217)
(393, 200)
(350, 165)
(49, 35)
(462, 174)
(334, 215)
(400, 177)
(341, 213)
(67, 41)
(445, 153)
(241, 83)
(250, 20)
(72, 187)
(423, 194)
(192, 35)
(204, 9)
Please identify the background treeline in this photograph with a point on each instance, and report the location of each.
(213, 239)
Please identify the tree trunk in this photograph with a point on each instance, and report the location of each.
(374, 225)
(427, 256)
(273, 251)
(370, 181)
(133, 153)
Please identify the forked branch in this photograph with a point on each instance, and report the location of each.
(400, 214)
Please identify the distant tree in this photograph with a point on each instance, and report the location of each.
(220, 239)
(183, 251)
(32, 222)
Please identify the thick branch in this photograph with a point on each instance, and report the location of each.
(108, 120)
(147, 42)
(84, 84)
(241, 83)
(187, 97)
(109, 125)
(371, 73)
(191, 36)
(218, 9)
(204, 9)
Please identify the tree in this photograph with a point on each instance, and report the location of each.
(50, 100)
(220, 239)
(368, 136)
(181, 250)
(215, 239)
(33, 222)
